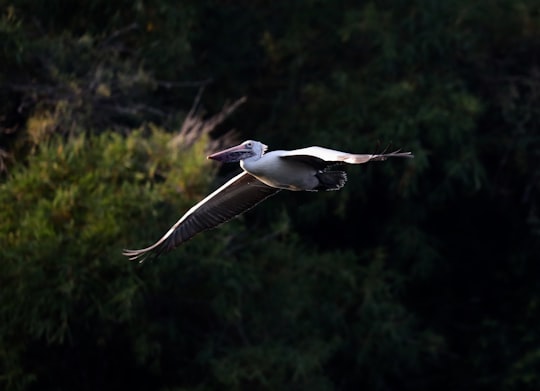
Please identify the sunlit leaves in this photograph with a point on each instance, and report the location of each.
(72, 205)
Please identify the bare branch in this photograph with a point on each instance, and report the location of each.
(194, 126)
(4, 156)
(183, 84)
(118, 33)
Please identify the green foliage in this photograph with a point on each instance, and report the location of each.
(62, 271)
(417, 275)
(68, 292)
(64, 74)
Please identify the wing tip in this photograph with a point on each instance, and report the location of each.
(143, 254)
(136, 255)
(408, 155)
(398, 153)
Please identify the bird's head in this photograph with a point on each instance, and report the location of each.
(243, 151)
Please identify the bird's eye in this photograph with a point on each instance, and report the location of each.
(249, 145)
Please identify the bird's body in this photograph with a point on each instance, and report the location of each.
(264, 174)
(275, 171)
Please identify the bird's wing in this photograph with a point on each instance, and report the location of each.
(320, 157)
(239, 194)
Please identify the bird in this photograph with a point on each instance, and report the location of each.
(263, 175)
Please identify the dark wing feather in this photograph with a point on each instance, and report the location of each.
(312, 161)
(238, 195)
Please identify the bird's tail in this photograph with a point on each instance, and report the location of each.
(331, 180)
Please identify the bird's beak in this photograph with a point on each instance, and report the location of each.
(233, 154)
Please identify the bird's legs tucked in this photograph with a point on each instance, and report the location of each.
(330, 180)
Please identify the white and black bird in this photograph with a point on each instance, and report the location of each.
(264, 174)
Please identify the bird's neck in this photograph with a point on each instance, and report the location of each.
(250, 163)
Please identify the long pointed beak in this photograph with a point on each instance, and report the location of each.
(233, 154)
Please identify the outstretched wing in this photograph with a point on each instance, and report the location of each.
(239, 194)
(320, 157)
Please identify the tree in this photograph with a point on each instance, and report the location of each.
(414, 276)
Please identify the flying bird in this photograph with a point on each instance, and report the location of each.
(264, 174)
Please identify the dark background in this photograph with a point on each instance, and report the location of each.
(418, 275)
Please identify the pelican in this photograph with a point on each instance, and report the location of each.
(264, 174)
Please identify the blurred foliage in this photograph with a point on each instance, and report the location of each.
(417, 275)
(73, 204)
